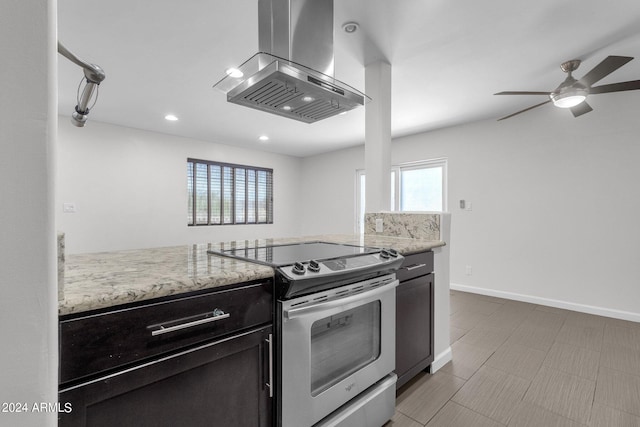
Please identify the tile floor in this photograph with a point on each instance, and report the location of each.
(525, 365)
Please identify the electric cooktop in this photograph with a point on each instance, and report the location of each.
(288, 254)
(309, 267)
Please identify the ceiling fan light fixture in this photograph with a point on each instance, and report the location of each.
(569, 98)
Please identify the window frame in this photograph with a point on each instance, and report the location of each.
(396, 186)
(421, 164)
(268, 186)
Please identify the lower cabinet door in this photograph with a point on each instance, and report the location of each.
(222, 383)
(414, 327)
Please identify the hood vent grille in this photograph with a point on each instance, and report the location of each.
(290, 90)
(276, 95)
(272, 94)
(318, 110)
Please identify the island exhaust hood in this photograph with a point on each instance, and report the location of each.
(292, 75)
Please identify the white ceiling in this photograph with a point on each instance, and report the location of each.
(448, 58)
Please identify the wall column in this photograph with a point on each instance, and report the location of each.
(377, 151)
(28, 120)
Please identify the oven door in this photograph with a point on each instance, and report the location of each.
(334, 345)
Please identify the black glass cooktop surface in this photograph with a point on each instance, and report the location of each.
(281, 255)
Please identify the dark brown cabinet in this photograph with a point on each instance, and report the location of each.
(219, 377)
(414, 316)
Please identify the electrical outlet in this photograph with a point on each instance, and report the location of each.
(468, 270)
(379, 225)
(468, 206)
(69, 207)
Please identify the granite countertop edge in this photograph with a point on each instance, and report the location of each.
(108, 279)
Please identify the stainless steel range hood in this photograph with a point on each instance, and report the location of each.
(292, 75)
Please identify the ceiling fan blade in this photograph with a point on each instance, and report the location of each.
(603, 69)
(522, 93)
(616, 87)
(580, 109)
(526, 109)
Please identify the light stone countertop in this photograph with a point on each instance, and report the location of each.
(107, 279)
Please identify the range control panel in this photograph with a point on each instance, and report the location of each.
(314, 268)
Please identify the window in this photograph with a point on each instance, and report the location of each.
(416, 186)
(222, 193)
(421, 186)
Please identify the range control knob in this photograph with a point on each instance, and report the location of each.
(384, 254)
(314, 266)
(393, 253)
(298, 268)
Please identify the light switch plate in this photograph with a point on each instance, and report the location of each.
(69, 207)
(379, 225)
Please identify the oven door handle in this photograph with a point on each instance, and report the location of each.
(328, 305)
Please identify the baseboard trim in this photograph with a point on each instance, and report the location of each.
(440, 360)
(583, 308)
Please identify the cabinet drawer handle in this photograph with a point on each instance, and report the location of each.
(413, 267)
(270, 383)
(213, 316)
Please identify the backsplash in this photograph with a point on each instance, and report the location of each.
(404, 224)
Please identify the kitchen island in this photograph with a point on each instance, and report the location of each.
(120, 312)
(108, 279)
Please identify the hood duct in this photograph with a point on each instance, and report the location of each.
(292, 75)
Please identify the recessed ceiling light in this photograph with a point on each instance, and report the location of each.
(350, 27)
(234, 72)
(263, 138)
(287, 108)
(171, 118)
(307, 98)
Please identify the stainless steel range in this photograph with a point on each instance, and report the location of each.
(335, 323)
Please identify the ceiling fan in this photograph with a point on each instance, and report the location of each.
(572, 93)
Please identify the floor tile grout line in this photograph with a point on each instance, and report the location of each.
(476, 412)
(411, 418)
(621, 372)
(556, 413)
(593, 400)
(562, 415)
(570, 373)
(618, 410)
(508, 373)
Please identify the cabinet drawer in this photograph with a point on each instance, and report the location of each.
(415, 265)
(101, 342)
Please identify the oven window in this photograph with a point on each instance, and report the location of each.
(342, 344)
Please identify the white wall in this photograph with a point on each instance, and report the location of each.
(555, 203)
(129, 187)
(28, 306)
(328, 198)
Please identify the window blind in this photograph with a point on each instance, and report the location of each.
(222, 194)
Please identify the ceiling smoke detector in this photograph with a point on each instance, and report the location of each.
(350, 27)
